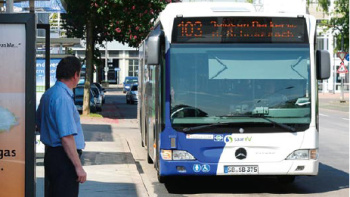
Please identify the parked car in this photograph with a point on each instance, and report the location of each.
(131, 95)
(98, 96)
(102, 90)
(79, 97)
(128, 82)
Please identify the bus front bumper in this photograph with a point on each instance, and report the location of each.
(286, 167)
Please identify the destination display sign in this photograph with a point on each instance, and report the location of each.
(239, 30)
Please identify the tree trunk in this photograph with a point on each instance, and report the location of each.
(88, 73)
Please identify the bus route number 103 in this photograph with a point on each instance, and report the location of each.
(189, 29)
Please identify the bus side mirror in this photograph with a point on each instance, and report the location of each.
(323, 64)
(153, 49)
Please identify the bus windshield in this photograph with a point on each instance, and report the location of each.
(233, 83)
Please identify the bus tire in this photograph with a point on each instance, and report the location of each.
(286, 179)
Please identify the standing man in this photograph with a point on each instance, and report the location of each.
(58, 121)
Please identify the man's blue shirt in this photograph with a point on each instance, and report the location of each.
(57, 117)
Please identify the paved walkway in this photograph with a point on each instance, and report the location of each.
(332, 101)
(107, 159)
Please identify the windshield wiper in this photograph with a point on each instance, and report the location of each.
(284, 126)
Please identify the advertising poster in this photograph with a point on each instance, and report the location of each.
(12, 109)
(40, 76)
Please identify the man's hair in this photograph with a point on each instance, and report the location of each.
(67, 68)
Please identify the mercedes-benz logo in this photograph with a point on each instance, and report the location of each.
(241, 153)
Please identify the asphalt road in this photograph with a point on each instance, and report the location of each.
(333, 178)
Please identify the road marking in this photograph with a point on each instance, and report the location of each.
(323, 115)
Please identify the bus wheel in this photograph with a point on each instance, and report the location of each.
(286, 179)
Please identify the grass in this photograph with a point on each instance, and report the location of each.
(92, 115)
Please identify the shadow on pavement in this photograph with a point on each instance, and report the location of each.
(94, 188)
(329, 179)
(98, 132)
(104, 158)
(117, 108)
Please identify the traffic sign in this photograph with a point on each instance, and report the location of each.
(106, 69)
(342, 55)
(342, 69)
(347, 57)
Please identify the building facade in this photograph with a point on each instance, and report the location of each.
(117, 62)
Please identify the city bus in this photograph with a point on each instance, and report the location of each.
(226, 91)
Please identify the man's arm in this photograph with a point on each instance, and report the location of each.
(69, 147)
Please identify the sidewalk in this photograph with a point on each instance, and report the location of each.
(107, 159)
(332, 101)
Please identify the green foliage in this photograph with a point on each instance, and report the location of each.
(324, 4)
(126, 21)
(339, 22)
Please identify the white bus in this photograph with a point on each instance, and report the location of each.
(225, 90)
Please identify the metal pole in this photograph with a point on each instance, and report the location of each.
(106, 63)
(335, 68)
(9, 6)
(342, 90)
(342, 78)
(47, 79)
(31, 6)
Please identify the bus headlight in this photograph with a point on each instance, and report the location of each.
(166, 154)
(182, 155)
(176, 155)
(303, 155)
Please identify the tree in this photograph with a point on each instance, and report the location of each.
(339, 23)
(97, 21)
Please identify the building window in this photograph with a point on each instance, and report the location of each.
(133, 54)
(114, 54)
(133, 67)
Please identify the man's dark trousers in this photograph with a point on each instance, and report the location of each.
(60, 173)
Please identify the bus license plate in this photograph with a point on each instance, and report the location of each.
(241, 169)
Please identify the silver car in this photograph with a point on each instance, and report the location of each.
(98, 97)
(131, 95)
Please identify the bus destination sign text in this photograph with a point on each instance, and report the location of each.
(239, 30)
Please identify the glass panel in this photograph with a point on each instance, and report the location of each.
(133, 53)
(113, 53)
(209, 82)
(79, 91)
